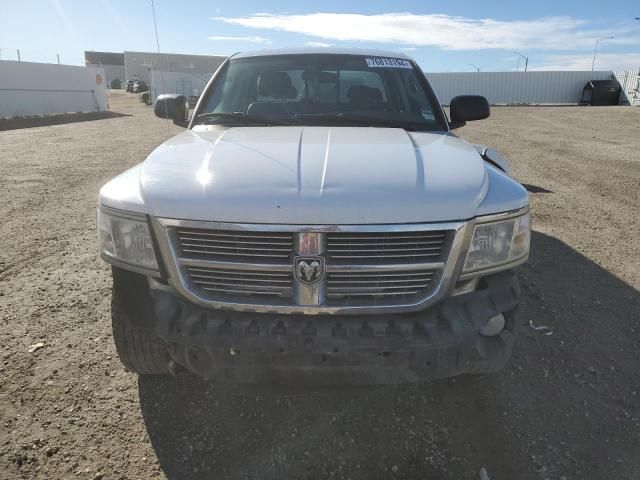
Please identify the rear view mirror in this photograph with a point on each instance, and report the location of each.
(466, 108)
(172, 106)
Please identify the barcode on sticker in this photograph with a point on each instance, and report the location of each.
(388, 62)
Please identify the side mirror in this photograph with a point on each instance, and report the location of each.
(466, 108)
(174, 107)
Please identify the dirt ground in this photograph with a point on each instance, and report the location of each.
(567, 407)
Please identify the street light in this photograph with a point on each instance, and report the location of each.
(477, 68)
(526, 60)
(596, 50)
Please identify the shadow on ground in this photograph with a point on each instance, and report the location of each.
(566, 405)
(535, 188)
(48, 120)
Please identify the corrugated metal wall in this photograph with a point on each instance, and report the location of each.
(630, 83)
(188, 84)
(515, 87)
(28, 88)
(138, 65)
(498, 87)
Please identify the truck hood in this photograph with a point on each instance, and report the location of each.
(312, 176)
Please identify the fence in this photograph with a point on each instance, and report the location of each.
(505, 88)
(41, 89)
(187, 84)
(630, 83)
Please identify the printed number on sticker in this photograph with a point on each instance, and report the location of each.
(388, 62)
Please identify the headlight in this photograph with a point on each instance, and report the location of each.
(124, 237)
(498, 243)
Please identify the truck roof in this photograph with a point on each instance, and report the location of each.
(322, 50)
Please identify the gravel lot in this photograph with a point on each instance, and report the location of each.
(568, 406)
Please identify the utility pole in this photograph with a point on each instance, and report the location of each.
(58, 55)
(595, 51)
(526, 60)
(18, 50)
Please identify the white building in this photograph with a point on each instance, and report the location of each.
(138, 65)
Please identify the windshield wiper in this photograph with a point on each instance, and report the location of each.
(363, 120)
(238, 118)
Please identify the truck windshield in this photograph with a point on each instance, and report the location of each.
(321, 89)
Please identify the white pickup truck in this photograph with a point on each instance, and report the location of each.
(317, 221)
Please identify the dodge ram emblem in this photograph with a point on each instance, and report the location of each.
(309, 270)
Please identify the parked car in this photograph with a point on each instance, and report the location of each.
(140, 86)
(129, 87)
(145, 97)
(193, 100)
(317, 221)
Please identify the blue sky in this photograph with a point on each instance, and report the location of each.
(441, 36)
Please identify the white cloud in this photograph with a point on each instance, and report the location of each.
(254, 39)
(604, 61)
(317, 44)
(409, 49)
(443, 31)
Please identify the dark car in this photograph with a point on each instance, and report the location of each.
(129, 87)
(140, 86)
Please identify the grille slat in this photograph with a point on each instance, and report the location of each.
(240, 292)
(237, 254)
(227, 282)
(350, 275)
(385, 248)
(372, 294)
(243, 248)
(237, 279)
(355, 287)
(374, 288)
(382, 283)
(387, 236)
(243, 287)
(241, 234)
(391, 256)
(358, 250)
(233, 242)
(235, 246)
(417, 243)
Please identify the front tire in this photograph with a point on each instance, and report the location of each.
(132, 321)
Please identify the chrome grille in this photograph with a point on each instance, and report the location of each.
(386, 247)
(366, 269)
(235, 245)
(230, 282)
(376, 287)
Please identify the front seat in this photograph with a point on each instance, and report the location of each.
(363, 95)
(276, 85)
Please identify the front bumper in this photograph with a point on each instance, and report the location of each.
(437, 342)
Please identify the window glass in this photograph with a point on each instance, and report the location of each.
(322, 89)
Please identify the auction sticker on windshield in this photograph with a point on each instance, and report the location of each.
(380, 62)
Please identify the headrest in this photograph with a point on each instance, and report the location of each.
(363, 95)
(276, 85)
